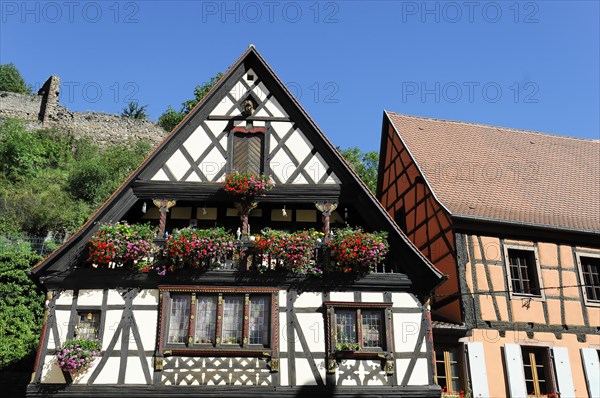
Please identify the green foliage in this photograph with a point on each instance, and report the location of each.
(133, 110)
(171, 118)
(98, 175)
(365, 164)
(12, 81)
(21, 304)
(50, 182)
(22, 153)
(199, 93)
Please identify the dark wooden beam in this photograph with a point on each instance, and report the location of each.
(61, 390)
(199, 191)
(250, 118)
(88, 278)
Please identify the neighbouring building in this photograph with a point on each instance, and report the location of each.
(513, 218)
(236, 321)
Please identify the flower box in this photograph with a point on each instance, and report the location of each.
(354, 250)
(198, 248)
(122, 245)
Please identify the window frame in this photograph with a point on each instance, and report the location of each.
(462, 379)
(536, 267)
(364, 352)
(189, 348)
(588, 302)
(100, 314)
(548, 367)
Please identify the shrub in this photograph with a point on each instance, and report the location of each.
(21, 304)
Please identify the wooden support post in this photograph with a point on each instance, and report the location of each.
(326, 209)
(163, 206)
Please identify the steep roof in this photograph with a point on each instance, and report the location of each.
(168, 156)
(501, 174)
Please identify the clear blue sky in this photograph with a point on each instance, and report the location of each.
(527, 65)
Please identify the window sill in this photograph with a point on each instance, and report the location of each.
(340, 354)
(525, 296)
(221, 351)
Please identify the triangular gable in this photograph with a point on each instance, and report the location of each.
(294, 141)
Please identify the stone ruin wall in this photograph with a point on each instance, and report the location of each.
(43, 110)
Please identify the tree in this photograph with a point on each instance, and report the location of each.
(365, 164)
(171, 118)
(22, 303)
(133, 110)
(12, 81)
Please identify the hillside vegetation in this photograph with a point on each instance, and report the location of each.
(50, 182)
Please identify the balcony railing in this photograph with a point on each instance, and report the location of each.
(246, 257)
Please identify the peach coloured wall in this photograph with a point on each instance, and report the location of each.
(428, 225)
(493, 343)
(560, 278)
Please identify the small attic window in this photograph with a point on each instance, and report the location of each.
(250, 76)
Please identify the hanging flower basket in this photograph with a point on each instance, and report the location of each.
(121, 244)
(354, 250)
(197, 248)
(248, 186)
(77, 355)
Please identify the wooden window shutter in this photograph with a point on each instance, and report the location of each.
(514, 370)
(592, 370)
(247, 153)
(564, 378)
(477, 370)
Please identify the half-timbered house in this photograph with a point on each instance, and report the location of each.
(512, 217)
(234, 328)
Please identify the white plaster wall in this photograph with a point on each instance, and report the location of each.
(372, 297)
(309, 299)
(283, 372)
(304, 375)
(178, 164)
(341, 296)
(65, 298)
(135, 373)
(51, 372)
(114, 298)
(419, 375)
(406, 331)
(89, 298)
(282, 332)
(147, 321)
(110, 372)
(62, 323)
(146, 297)
(404, 300)
(113, 317)
(314, 331)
